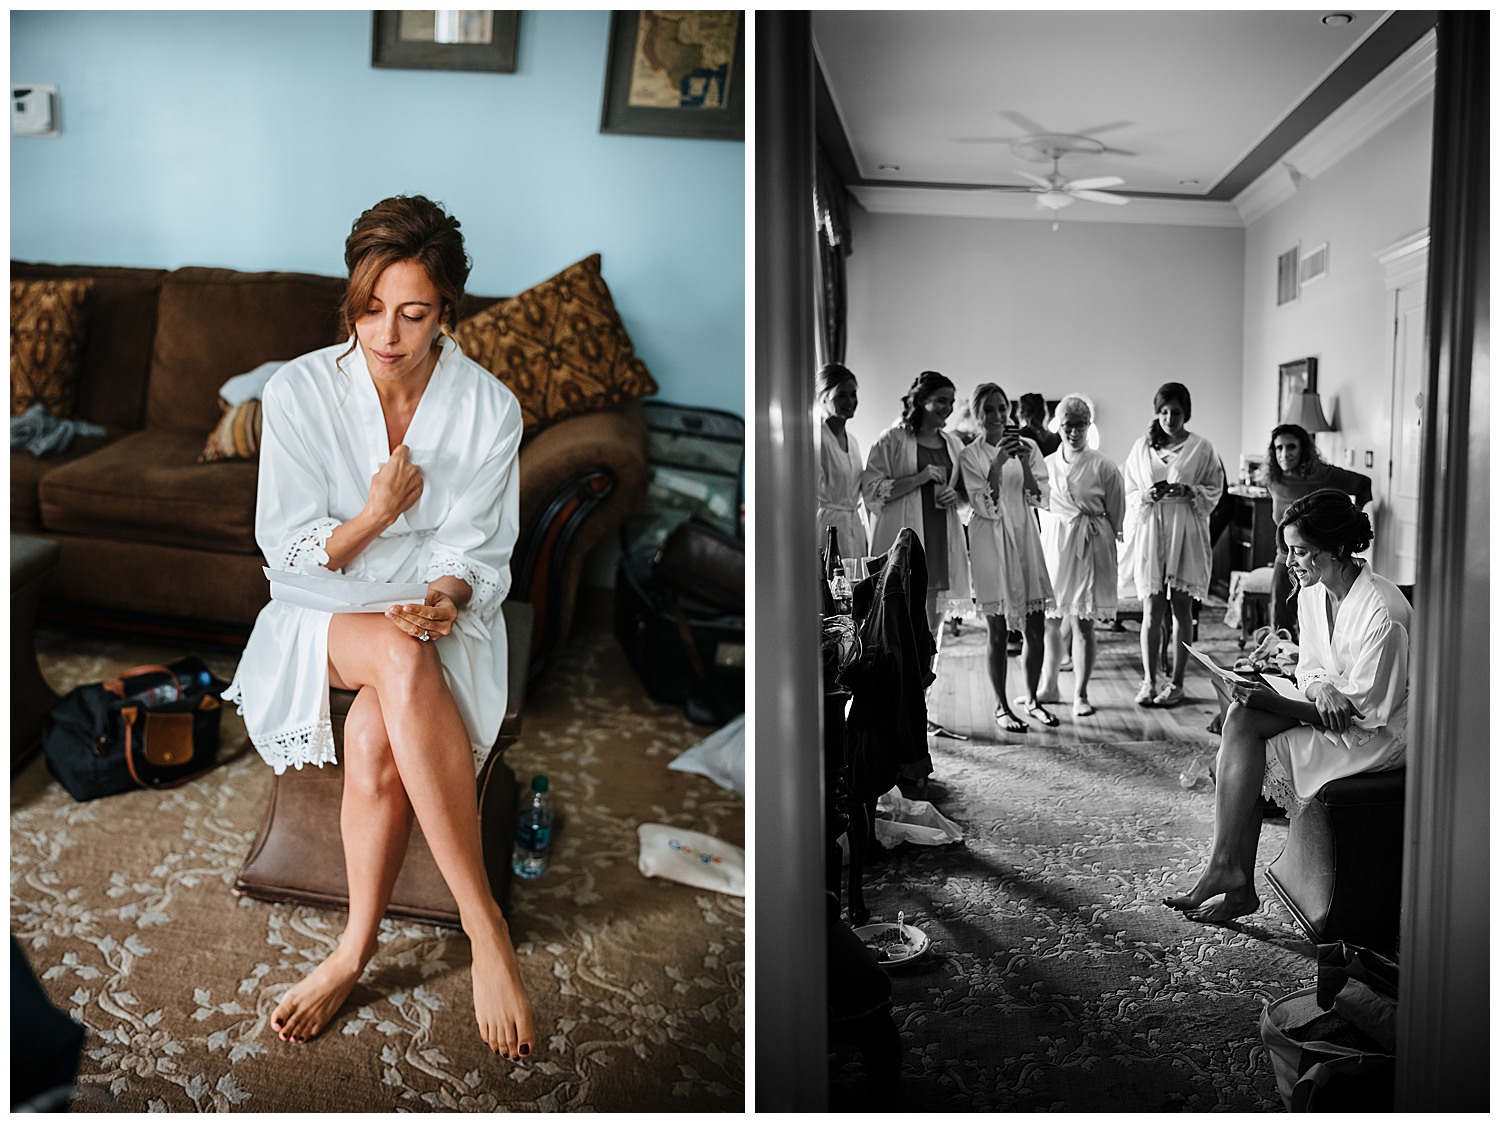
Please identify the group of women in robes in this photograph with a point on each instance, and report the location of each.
(1022, 536)
(1349, 712)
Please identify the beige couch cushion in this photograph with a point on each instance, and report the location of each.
(149, 487)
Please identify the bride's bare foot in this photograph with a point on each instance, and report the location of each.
(500, 1004)
(1213, 881)
(1226, 907)
(309, 1005)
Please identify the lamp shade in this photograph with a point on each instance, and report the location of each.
(1305, 409)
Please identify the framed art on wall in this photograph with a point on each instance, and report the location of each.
(676, 73)
(448, 40)
(1298, 377)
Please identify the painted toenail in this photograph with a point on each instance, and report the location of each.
(525, 1050)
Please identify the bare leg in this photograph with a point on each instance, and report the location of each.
(1031, 653)
(1182, 632)
(1229, 874)
(997, 661)
(430, 746)
(1154, 613)
(1052, 659)
(375, 821)
(1084, 650)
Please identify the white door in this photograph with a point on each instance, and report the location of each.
(1408, 411)
(1405, 267)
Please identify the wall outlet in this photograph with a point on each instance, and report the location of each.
(1348, 458)
(1369, 458)
(33, 110)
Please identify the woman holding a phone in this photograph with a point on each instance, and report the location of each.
(1005, 477)
(1173, 479)
(911, 480)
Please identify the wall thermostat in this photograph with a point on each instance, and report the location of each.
(33, 110)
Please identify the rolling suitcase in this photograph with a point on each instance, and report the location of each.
(679, 585)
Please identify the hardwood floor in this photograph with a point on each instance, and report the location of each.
(962, 699)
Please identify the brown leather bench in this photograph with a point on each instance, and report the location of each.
(1339, 873)
(298, 856)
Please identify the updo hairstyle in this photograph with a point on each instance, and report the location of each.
(831, 377)
(404, 228)
(1328, 520)
(924, 386)
(1032, 408)
(1156, 437)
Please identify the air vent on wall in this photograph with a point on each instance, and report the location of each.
(1314, 265)
(1286, 276)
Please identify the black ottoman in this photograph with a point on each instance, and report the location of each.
(1339, 873)
(31, 560)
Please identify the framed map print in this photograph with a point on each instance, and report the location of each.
(676, 73)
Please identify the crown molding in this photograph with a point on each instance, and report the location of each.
(1382, 101)
(942, 203)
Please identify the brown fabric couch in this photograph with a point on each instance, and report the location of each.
(148, 534)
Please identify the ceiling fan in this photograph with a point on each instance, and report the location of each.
(1056, 191)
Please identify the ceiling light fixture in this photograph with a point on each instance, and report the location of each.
(1187, 183)
(1337, 19)
(890, 167)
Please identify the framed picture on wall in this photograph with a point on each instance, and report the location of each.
(676, 73)
(451, 40)
(1300, 377)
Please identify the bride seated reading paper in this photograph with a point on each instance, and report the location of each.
(1352, 675)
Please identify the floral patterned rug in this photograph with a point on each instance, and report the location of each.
(1057, 980)
(123, 907)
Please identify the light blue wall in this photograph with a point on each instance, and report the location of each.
(252, 140)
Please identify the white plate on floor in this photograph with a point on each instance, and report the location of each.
(885, 942)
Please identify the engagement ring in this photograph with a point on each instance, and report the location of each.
(424, 637)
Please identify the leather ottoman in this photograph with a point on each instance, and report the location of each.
(298, 857)
(31, 560)
(1339, 873)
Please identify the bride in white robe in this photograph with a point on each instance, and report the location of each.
(1347, 716)
(323, 438)
(393, 458)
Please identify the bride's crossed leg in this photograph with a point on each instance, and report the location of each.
(406, 751)
(1225, 889)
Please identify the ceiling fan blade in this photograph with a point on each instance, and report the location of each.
(1038, 180)
(1104, 128)
(1096, 181)
(1030, 127)
(1117, 152)
(1100, 197)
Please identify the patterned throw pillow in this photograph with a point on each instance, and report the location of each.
(47, 320)
(560, 347)
(236, 436)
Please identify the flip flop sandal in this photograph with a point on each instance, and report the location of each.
(1036, 713)
(1009, 723)
(1083, 709)
(1171, 696)
(935, 729)
(1146, 694)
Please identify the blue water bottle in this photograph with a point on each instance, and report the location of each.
(533, 831)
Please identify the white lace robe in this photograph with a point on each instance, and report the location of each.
(1166, 540)
(893, 455)
(839, 471)
(1085, 517)
(1366, 655)
(323, 438)
(1006, 565)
